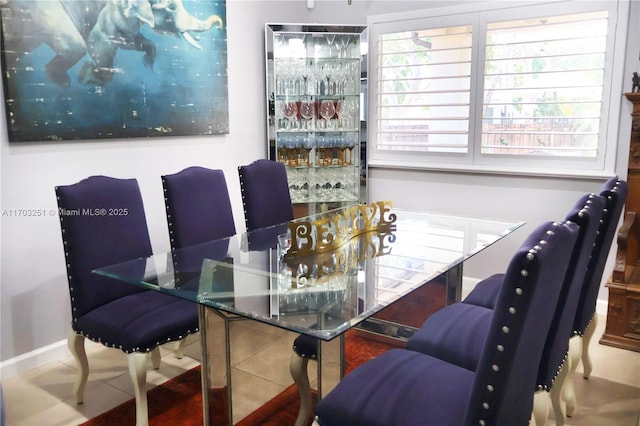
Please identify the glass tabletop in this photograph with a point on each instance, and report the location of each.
(319, 275)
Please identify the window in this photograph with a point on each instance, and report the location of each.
(424, 89)
(498, 89)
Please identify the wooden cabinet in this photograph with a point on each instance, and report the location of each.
(623, 313)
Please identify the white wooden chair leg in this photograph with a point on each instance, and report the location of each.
(587, 365)
(557, 390)
(575, 353)
(138, 371)
(75, 342)
(155, 357)
(540, 407)
(298, 369)
(179, 352)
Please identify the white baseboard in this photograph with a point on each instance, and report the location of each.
(34, 359)
(601, 306)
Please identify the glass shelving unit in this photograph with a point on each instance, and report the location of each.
(314, 87)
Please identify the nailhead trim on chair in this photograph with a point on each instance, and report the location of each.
(244, 210)
(172, 240)
(137, 349)
(605, 212)
(65, 243)
(524, 273)
(74, 319)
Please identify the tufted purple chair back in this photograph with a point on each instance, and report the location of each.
(587, 214)
(519, 326)
(103, 223)
(198, 206)
(265, 194)
(614, 191)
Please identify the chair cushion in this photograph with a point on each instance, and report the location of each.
(139, 322)
(456, 334)
(397, 388)
(485, 293)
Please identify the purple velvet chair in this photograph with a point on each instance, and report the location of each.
(614, 190)
(265, 194)
(266, 200)
(198, 206)
(456, 334)
(103, 223)
(405, 387)
(198, 211)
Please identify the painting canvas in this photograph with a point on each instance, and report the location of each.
(94, 69)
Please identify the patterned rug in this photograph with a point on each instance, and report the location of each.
(178, 402)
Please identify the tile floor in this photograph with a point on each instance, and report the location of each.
(42, 397)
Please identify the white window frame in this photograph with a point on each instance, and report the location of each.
(477, 14)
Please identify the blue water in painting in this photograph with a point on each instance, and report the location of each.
(184, 94)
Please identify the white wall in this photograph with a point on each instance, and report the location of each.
(34, 295)
(510, 198)
(34, 305)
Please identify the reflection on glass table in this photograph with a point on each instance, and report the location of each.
(320, 275)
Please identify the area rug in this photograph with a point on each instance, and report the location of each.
(178, 401)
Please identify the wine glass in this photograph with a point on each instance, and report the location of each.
(327, 111)
(330, 86)
(321, 145)
(351, 144)
(342, 145)
(347, 112)
(344, 42)
(290, 111)
(330, 39)
(289, 144)
(305, 73)
(282, 150)
(307, 112)
(307, 146)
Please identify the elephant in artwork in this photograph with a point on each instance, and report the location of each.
(117, 27)
(172, 18)
(73, 28)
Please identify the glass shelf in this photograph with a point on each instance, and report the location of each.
(314, 87)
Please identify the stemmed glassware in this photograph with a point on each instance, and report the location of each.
(323, 185)
(342, 146)
(307, 111)
(307, 146)
(337, 186)
(321, 149)
(327, 111)
(290, 110)
(351, 144)
(344, 42)
(348, 107)
(290, 151)
(304, 84)
(330, 39)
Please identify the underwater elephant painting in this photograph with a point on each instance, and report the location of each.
(95, 69)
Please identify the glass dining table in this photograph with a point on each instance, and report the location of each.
(319, 275)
